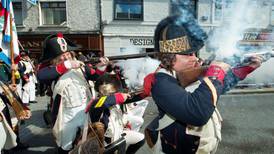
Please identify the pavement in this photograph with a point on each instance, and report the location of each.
(248, 125)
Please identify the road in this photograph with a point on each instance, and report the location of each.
(248, 125)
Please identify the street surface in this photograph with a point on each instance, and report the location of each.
(248, 125)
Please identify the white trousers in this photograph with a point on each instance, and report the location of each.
(73, 118)
(28, 92)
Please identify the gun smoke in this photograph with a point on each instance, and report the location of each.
(135, 70)
(223, 41)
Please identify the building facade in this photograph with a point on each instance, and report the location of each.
(78, 20)
(128, 26)
(117, 27)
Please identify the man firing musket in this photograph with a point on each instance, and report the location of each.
(188, 120)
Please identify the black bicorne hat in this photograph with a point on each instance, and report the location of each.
(55, 45)
(173, 36)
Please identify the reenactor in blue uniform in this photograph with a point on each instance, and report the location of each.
(107, 108)
(69, 79)
(188, 120)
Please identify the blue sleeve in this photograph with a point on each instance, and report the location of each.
(105, 102)
(192, 108)
(47, 74)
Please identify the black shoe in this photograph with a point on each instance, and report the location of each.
(33, 102)
(20, 146)
(61, 151)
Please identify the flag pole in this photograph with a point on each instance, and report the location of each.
(11, 51)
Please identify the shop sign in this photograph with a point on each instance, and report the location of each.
(141, 41)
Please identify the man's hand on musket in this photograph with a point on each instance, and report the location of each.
(102, 65)
(26, 116)
(255, 61)
(224, 66)
(125, 96)
(242, 71)
(13, 87)
(14, 67)
(217, 70)
(103, 62)
(73, 64)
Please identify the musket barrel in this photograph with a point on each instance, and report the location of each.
(122, 57)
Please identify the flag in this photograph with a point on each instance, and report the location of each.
(5, 38)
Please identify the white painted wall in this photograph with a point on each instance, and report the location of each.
(117, 33)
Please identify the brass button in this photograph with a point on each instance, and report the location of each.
(193, 150)
(196, 142)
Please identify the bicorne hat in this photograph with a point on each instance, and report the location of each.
(55, 45)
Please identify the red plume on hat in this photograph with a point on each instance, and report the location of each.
(60, 34)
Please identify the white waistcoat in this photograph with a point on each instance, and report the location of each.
(75, 95)
(73, 88)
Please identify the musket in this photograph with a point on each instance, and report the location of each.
(22, 112)
(95, 60)
(188, 77)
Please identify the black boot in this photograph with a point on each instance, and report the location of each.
(20, 146)
(62, 151)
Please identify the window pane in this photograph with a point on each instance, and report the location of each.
(47, 16)
(44, 5)
(60, 16)
(125, 9)
(62, 5)
(272, 13)
(218, 10)
(53, 4)
(17, 9)
(53, 13)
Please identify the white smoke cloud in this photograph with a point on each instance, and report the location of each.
(244, 14)
(134, 70)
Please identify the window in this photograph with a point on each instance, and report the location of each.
(211, 12)
(128, 9)
(53, 13)
(218, 10)
(17, 9)
(272, 13)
